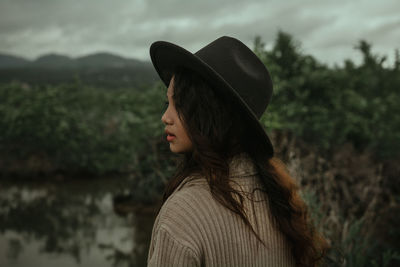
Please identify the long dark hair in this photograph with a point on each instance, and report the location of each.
(218, 132)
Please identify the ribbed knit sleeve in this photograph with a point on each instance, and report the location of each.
(170, 252)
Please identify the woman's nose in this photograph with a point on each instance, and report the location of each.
(166, 119)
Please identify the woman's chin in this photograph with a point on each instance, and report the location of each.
(177, 149)
(174, 148)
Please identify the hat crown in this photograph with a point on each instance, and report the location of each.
(241, 69)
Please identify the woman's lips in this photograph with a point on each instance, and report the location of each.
(170, 137)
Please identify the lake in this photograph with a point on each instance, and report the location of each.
(89, 222)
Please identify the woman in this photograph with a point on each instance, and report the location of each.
(230, 202)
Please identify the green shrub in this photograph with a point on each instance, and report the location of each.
(78, 127)
(330, 106)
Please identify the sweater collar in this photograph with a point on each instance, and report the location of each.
(242, 165)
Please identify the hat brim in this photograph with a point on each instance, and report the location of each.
(166, 57)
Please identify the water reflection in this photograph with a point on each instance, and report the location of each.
(72, 224)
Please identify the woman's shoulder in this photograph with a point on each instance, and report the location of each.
(192, 204)
(189, 206)
(177, 223)
(193, 199)
(192, 193)
(182, 214)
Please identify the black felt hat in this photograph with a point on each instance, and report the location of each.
(227, 65)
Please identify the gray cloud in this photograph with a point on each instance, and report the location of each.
(326, 29)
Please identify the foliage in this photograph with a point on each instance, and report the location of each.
(332, 106)
(76, 128)
(352, 199)
(342, 131)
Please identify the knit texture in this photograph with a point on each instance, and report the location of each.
(193, 229)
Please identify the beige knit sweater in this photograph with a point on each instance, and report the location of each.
(193, 229)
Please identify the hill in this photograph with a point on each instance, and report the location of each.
(100, 69)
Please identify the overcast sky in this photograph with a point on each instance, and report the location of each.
(326, 29)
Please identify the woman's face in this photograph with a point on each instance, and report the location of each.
(179, 141)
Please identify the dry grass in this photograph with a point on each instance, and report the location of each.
(354, 199)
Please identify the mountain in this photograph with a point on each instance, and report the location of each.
(97, 60)
(53, 61)
(107, 59)
(9, 61)
(100, 69)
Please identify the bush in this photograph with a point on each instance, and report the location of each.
(333, 106)
(77, 128)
